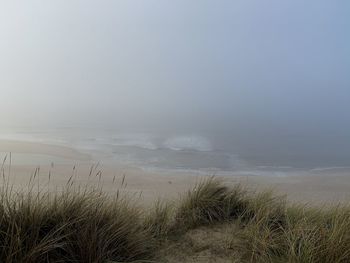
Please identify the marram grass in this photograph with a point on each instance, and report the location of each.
(85, 225)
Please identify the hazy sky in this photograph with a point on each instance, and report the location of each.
(282, 65)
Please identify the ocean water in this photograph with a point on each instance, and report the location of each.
(180, 151)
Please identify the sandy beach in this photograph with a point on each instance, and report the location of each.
(317, 188)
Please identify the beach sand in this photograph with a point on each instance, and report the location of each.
(79, 168)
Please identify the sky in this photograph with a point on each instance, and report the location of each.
(278, 67)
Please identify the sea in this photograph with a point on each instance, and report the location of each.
(200, 152)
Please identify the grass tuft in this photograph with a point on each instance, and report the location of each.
(71, 227)
(86, 225)
(159, 219)
(208, 202)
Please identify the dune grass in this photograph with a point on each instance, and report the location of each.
(86, 225)
(71, 227)
(264, 228)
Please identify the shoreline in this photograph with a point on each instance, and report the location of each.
(317, 188)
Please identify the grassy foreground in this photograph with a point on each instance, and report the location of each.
(210, 223)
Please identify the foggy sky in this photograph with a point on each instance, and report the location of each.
(268, 65)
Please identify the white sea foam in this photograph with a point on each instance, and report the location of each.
(197, 143)
(335, 168)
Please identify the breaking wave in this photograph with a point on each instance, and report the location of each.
(180, 143)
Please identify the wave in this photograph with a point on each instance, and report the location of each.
(152, 142)
(325, 169)
(180, 143)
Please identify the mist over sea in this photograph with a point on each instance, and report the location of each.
(204, 152)
(206, 86)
